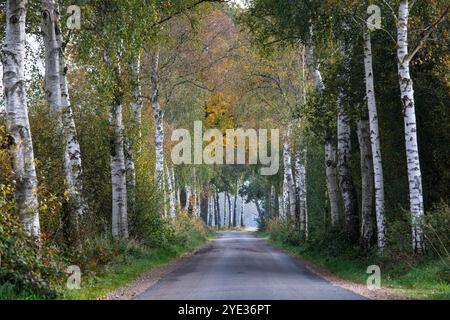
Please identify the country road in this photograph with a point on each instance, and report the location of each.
(240, 266)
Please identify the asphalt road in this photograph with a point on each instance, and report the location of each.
(240, 266)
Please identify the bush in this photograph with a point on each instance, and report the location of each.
(28, 268)
(283, 231)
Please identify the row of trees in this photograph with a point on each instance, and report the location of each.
(317, 70)
(334, 41)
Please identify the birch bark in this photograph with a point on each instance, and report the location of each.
(288, 176)
(170, 191)
(375, 141)
(409, 112)
(300, 184)
(21, 149)
(118, 174)
(159, 121)
(57, 94)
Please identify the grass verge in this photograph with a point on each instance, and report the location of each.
(127, 268)
(425, 280)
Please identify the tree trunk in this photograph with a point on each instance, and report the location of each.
(346, 184)
(188, 197)
(229, 210)
(375, 141)
(21, 147)
(171, 193)
(409, 112)
(242, 213)
(367, 184)
(136, 105)
(217, 205)
(300, 184)
(118, 174)
(235, 197)
(258, 208)
(57, 93)
(330, 152)
(288, 176)
(159, 121)
(130, 174)
(224, 209)
(332, 186)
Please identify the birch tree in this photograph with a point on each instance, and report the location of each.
(171, 192)
(57, 94)
(367, 182)
(346, 184)
(118, 172)
(404, 58)
(288, 176)
(375, 140)
(21, 145)
(300, 185)
(330, 149)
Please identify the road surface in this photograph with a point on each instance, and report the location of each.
(240, 266)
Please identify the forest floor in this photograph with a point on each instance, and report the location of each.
(419, 282)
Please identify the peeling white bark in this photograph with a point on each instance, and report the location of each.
(412, 147)
(375, 141)
(21, 149)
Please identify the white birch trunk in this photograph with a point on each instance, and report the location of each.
(375, 141)
(330, 152)
(159, 122)
(288, 176)
(118, 175)
(136, 105)
(224, 209)
(412, 147)
(272, 202)
(171, 192)
(57, 93)
(188, 197)
(281, 206)
(13, 60)
(300, 184)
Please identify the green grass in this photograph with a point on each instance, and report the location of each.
(125, 270)
(424, 280)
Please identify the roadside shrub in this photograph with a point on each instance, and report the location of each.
(188, 229)
(28, 268)
(283, 231)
